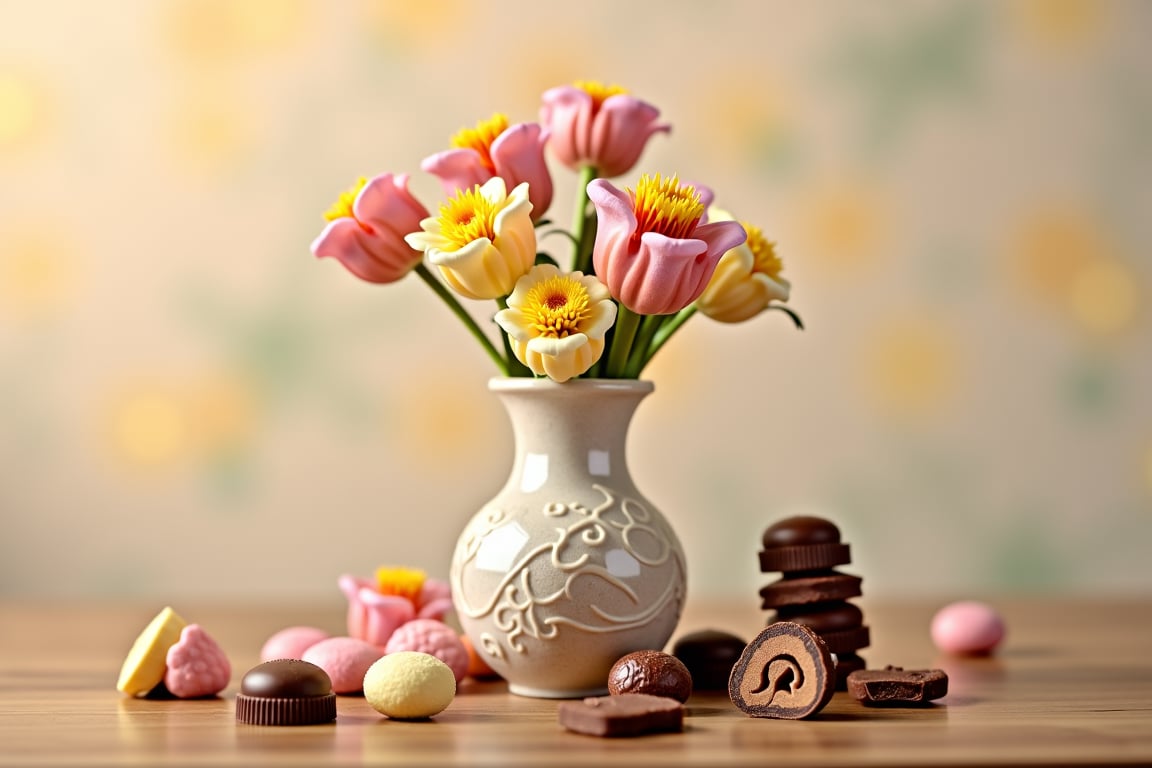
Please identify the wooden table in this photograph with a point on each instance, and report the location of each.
(1072, 685)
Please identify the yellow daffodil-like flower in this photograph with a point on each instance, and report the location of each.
(482, 241)
(747, 278)
(556, 322)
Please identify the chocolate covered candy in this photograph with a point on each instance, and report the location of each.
(286, 692)
(709, 655)
(786, 672)
(652, 672)
(625, 714)
(895, 686)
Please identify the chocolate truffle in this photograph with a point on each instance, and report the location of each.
(286, 692)
(709, 655)
(653, 672)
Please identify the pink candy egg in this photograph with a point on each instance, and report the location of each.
(290, 643)
(345, 659)
(967, 627)
(434, 637)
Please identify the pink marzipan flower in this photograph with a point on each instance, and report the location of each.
(374, 614)
(366, 229)
(603, 127)
(493, 148)
(651, 249)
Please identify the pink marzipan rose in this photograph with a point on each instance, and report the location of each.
(607, 134)
(516, 155)
(373, 616)
(649, 272)
(367, 236)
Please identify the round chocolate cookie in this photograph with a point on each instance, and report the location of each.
(839, 624)
(823, 617)
(802, 543)
(818, 588)
(709, 655)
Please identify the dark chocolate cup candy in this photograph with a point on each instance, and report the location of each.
(286, 692)
(786, 672)
(802, 543)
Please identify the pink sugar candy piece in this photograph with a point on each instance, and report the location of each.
(291, 642)
(197, 665)
(434, 637)
(345, 659)
(967, 627)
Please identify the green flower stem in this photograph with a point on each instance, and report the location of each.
(668, 326)
(469, 322)
(583, 235)
(515, 367)
(639, 355)
(627, 322)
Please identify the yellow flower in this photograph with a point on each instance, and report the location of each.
(556, 322)
(482, 241)
(746, 280)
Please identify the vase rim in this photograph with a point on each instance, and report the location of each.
(518, 383)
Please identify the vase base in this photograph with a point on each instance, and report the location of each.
(553, 693)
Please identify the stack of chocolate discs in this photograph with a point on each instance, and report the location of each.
(806, 551)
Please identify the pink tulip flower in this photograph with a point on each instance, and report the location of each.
(515, 153)
(378, 608)
(651, 249)
(366, 229)
(594, 125)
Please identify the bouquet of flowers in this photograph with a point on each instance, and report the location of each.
(643, 260)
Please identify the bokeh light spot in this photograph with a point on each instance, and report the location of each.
(1104, 297)
(843, 229)
(911, 366)
(36, 273)
(1063, 25)
(151, 428)
(23, 111)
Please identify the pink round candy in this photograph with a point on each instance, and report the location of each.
(967, 627)
(290, 643)
(434, 637)
(345, 659)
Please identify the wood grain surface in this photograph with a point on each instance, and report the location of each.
(1072, 685)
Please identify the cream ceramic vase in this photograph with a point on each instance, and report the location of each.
(569, 567)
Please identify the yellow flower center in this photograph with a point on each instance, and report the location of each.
(342, 208)
(665, 206)
(402, 582)
(467, 217)
(557, 307)
(763, 251)
(599, 92)
(481, 137)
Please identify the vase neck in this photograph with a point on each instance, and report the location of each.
(574, 428)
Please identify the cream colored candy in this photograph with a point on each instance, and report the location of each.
(409, 685)
(147, 661)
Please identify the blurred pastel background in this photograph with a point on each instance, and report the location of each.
(191, 405)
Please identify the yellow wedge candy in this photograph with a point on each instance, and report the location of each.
(147, 662)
